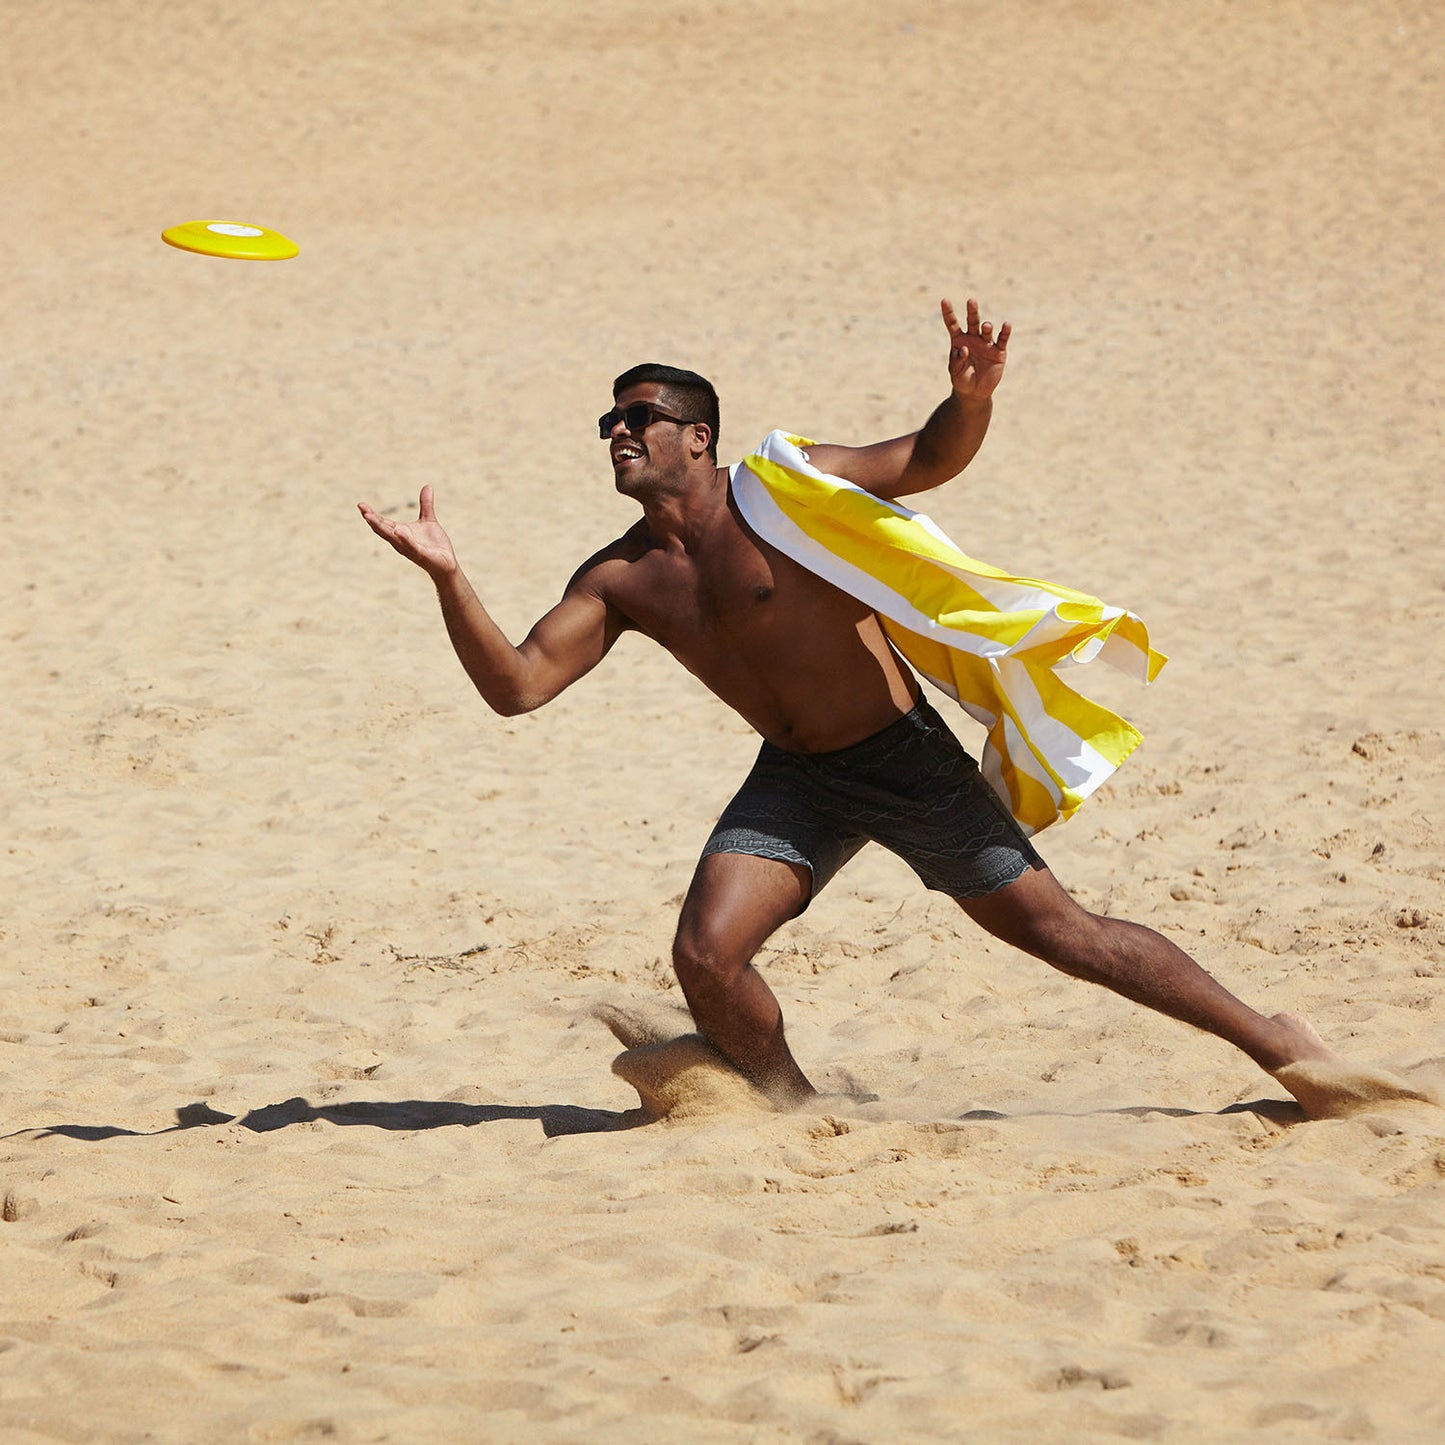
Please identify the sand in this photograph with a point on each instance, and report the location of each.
(310, 1127)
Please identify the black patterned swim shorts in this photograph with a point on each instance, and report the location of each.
(911, 787)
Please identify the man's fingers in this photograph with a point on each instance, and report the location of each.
(969, 347)
(399, 534)
(426, 511)
(376, 521)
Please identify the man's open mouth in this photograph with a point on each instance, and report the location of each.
(626, 452)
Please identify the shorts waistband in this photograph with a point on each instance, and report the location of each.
(920, 716)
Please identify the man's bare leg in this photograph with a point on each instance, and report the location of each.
(735, 902)
(1034, 913)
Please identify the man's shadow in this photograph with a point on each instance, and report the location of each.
(555, 1119)
(401, 1114)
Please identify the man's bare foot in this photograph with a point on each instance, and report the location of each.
(1298, 1043)
(1327, 1085)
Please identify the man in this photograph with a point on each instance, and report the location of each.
(851, 750)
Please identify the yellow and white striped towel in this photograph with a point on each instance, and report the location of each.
(995, 643)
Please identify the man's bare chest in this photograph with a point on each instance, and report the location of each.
(730, 600)
(728, 589)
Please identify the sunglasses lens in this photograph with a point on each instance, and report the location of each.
(637, 418)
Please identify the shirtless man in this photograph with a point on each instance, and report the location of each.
(851, 750)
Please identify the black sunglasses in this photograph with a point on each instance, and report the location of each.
(637, 417)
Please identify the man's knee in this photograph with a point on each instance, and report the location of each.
(1079, 943)
(1066, 940)
(1042, 921)
(702, 953)
(734, 904)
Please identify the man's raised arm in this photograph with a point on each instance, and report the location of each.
(949, 439)
(566, 643)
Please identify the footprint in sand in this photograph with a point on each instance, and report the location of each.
(677, 1077)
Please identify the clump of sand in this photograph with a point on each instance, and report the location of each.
(677, 1076)
(1338, 1089)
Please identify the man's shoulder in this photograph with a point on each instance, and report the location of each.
(616, 557)
(634, 544)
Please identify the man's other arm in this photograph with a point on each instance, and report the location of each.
(564, 645)
(950, 438)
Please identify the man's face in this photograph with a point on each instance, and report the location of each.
(655, 453)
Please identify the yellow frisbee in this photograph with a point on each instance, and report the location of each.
(232, 239)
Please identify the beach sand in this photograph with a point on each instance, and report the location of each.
(311, 1127)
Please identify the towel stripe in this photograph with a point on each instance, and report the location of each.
(995, 643)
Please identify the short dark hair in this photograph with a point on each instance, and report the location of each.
(685, 391)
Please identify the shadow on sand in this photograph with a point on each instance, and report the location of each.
(403, 1114)
(1277, 1111)
(555, 1119)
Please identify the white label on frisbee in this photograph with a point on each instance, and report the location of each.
(229, 228)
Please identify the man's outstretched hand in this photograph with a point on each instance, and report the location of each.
(422, 541)
(976, 356)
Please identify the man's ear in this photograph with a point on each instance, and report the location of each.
(702, 438)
